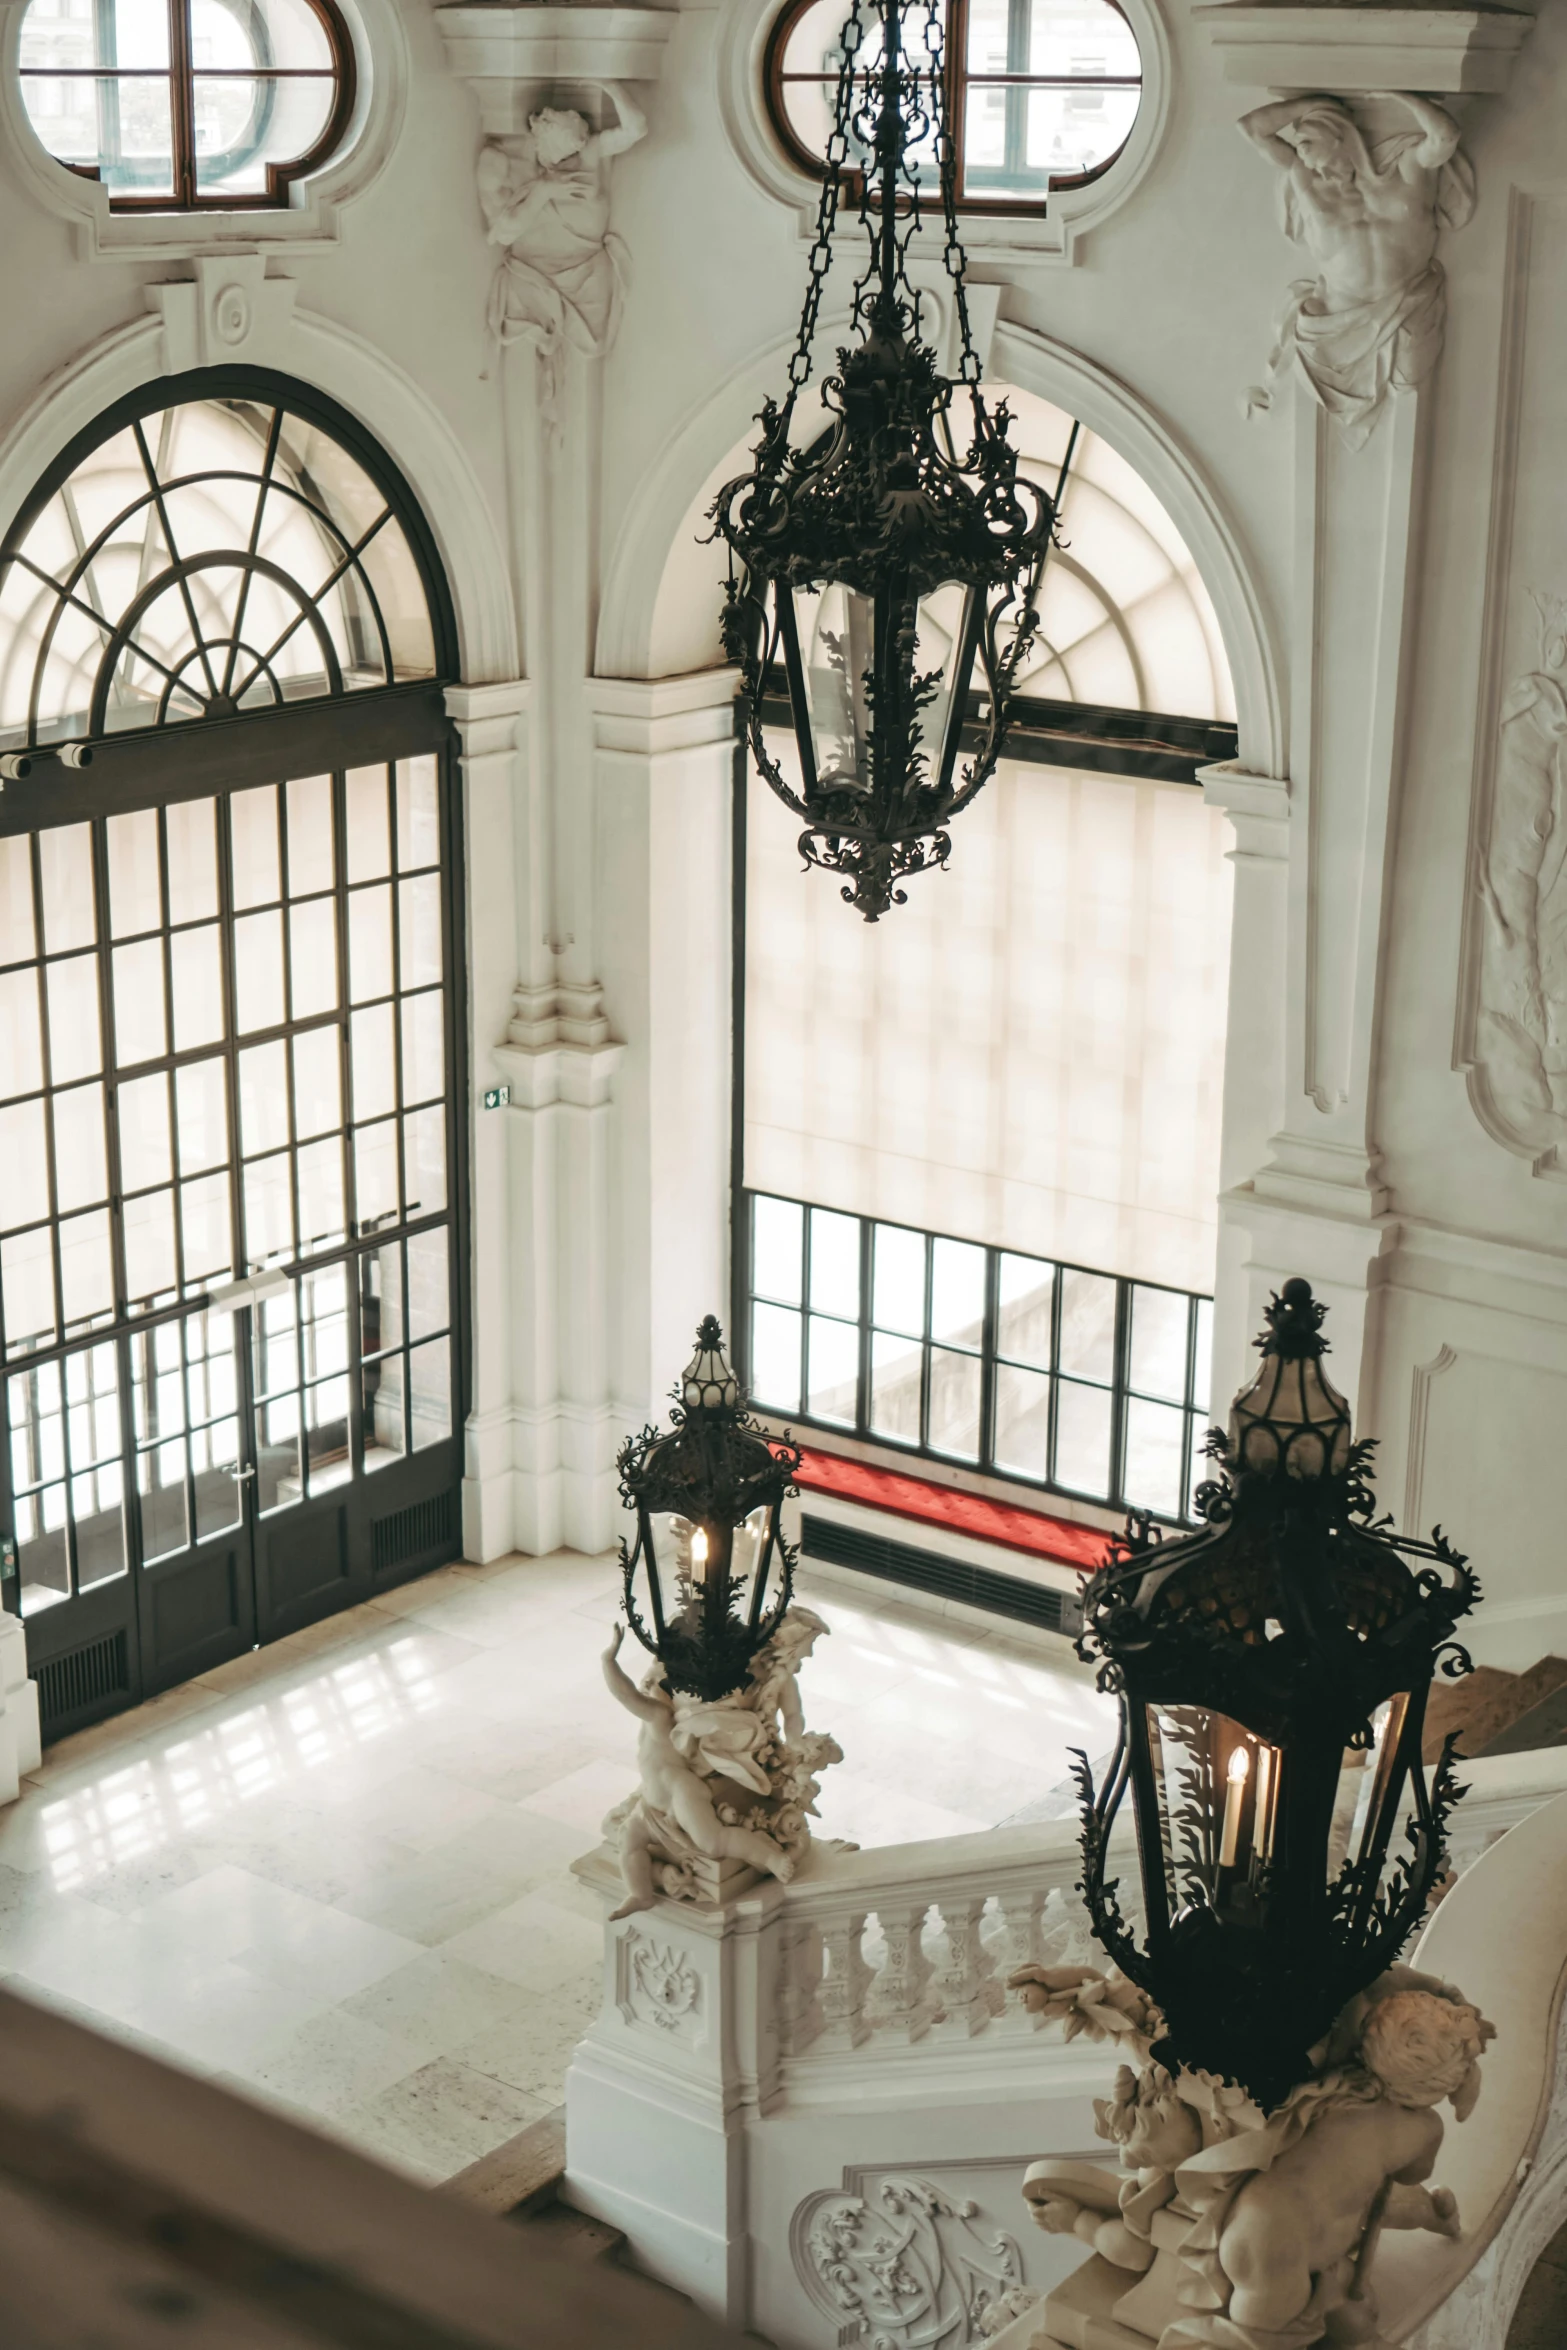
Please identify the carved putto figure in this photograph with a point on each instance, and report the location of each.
(545, 198)
(1521, 1039)
(734, 1779)
(1369, 212)
(1237, 2230)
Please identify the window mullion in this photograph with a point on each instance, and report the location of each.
(1120, 1375)
(182, 103)
(863, 1406)
(955, 76)
(987, 1360)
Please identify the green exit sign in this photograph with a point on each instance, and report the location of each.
(497, 1096)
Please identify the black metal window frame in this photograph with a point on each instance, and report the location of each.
(155, 769)
(990, 1354)
(224, 676)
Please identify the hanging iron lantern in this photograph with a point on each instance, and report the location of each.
(1273, 1669)
(708, 1496)
(878, 568)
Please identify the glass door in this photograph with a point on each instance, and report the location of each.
(228, 1274)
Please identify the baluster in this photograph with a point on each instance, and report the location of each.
(844, 2021)
(966, 1985)
(905, 2006)
(1016, 1946)
(799, 1987)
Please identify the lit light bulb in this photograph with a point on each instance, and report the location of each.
(1239, 1770)
(699, 1552)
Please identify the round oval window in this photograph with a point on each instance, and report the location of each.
(202, 104)
(1041, 94)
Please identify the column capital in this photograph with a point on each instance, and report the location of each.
(1276, 45)
(1257, 805)
(509, 54)
(656, 714)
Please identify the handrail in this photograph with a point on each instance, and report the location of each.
(910, 1945)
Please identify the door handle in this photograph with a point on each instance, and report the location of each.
(240, 1475)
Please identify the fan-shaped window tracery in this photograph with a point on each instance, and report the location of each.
(214, 556)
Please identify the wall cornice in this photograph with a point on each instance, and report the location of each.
(1272, 45)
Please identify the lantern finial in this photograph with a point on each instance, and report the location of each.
(1291, 1416)
(708, 1384)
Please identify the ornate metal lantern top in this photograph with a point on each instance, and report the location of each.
(878, 565)
(1291, 1636)
(707, 1494)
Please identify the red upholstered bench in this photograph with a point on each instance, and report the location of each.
(1057, 1539)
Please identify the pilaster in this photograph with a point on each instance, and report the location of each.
(683, 2055)
(564, 1423)
(493, 727)
(546, 1422)
(1316, 1202)
(663, 766)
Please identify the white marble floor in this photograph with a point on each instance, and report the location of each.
(334, 1873)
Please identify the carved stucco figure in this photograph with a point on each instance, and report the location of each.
(1521, 1024)
(1240, 2231)
(733, 1780)
(545, 199)
(1369, 212)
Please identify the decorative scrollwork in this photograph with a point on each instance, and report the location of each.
(914, 2265)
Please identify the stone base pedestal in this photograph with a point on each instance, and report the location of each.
(1079, 2315)
(717, 1881)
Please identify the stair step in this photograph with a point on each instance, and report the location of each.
(1487, 1704)
(571, 2235)
(521, 2177)
(1544, 1724)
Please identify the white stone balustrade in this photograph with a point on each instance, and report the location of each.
(802, 2038)
(913, 1943)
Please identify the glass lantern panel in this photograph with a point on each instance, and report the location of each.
(1375, 1799)
(690, 1553)
(837, 637)
(1216, 1794)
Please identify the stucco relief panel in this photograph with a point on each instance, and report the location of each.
(1512, 1011)
(658, 1986)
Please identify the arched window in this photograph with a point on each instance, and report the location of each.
(980, 1205)
(188, 105)
(1040, 94)
(231, 1286)
(215, 555)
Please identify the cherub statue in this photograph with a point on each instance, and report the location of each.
(1289, 2215)
(676, 1803)
(1237, 2231)
(545, 198)
(1369, 214)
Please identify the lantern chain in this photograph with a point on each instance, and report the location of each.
(827, 212)
(946, 161)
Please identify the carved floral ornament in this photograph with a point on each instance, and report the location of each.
(905, 2263)
(660, 1986)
